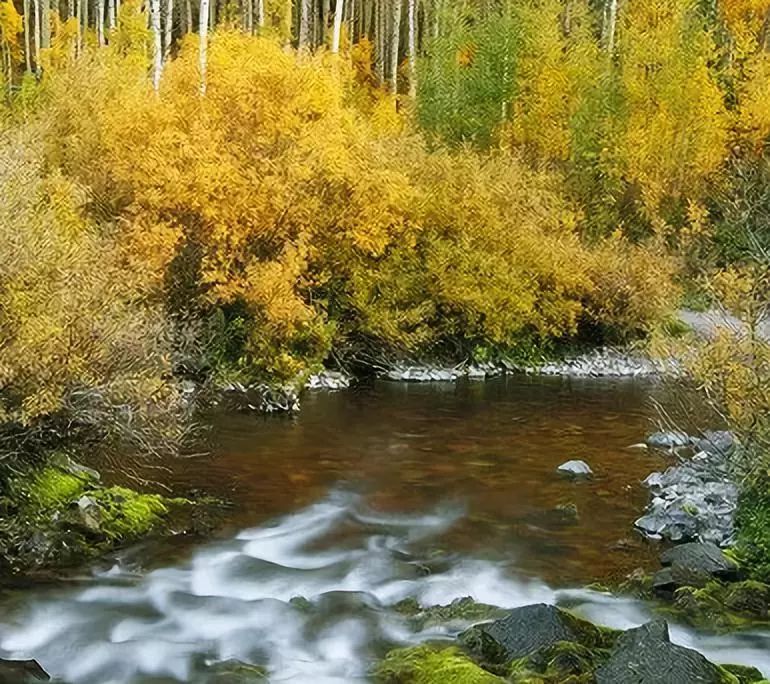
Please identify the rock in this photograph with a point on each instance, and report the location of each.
(645, 655)
(575, 469)
(603, 362)
(22, 671)
(422, 374)
(531, 628)
(702, 559)
(461, 612)
(668, 440)
(89, 514)
(568, 512)
(235, 672)
(429, 665)
(719, 442)
(749, 598)
(67, 465)
(744, 673)
(328, 380)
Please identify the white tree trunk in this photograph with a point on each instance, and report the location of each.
(111, 15)
(379, 42)
(100, 22)
(27, 37)
(395, 33)
(37, 37)
(249, 16)
(46, 25)
(157, 44)
(610, 25)
(203, 28)
(412, 48)
(188, 17)
(261, 13)
(306, 8)
(338, 10)
(169, 32)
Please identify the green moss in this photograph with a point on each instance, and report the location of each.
(126, 514)
(723, 607)
(428, 665)
(744, 673)
(565, 662)
(463, 610)
(47, 489)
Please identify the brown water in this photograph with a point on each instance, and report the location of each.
(367, 497)
(491, 447)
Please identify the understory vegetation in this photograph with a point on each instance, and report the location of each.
(236, 209)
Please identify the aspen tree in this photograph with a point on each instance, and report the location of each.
(37, 37)
(45, 35)
(111, 18)
(157, 44)
(100, 22)
(27, 37)
(305, 24)
(338, 10)
(395, 34)
(610, 25)
(412, 8)
(169, 32)
(379, 42)
(261, 13)
(203, 29)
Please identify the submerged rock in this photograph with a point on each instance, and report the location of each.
(575, 469)
(21, 672)
(645, 655)
(668, 440)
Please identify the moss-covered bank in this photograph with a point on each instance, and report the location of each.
(60, 514)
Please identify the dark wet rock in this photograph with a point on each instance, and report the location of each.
(21, 672)
(89, 514)
(749, 598)
(668, 440)
(645, 655)
(565, 661)
(718, 442)
(693, 501)
(567, 512)
(528, 629)
(575, 469)
(702, 559)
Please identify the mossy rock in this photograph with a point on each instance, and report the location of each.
(529, 629)
(752, 520)
(235, 672)
(430, 665)
(723, 607)
(461, 611)
(563, 663)
(744, 673)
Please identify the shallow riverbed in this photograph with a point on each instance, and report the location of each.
(366, 497)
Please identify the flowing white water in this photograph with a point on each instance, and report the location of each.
(232, 600)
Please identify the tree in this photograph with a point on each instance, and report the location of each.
(168, 35)
(203, 30)
(338, 10)
(610, 25)
(157, 44)
(412, 4)
(305, 24)
(395, 34)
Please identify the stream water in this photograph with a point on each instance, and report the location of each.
(367, 497)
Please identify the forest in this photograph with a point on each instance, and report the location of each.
(197, 194)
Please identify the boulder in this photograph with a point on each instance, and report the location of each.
(575, 469)
(528, 629)
(668, 440)
(645, 655)
(21, 672)
(716, 442)
(702, 559)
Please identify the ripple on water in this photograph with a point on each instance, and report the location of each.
(233, 600)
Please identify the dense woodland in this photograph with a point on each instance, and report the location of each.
(227, 190)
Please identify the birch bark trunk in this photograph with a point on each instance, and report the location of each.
(157, 44)
(412, 48)
(37, 37)
(306, 8)
(203, 29)
(169, 32)
(100, 22)
(395, 34)
(27, 36)
(610, 25)
(111, 17)
(338, 10)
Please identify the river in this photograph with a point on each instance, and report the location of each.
(366, 497)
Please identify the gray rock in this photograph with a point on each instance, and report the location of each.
(328, 380)
(720, 442)
(668, 440)
(604, 362)
(524, 631)
(575, 469)
(646, 656)
(21, 671)
(89, 514)
(702, 558)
